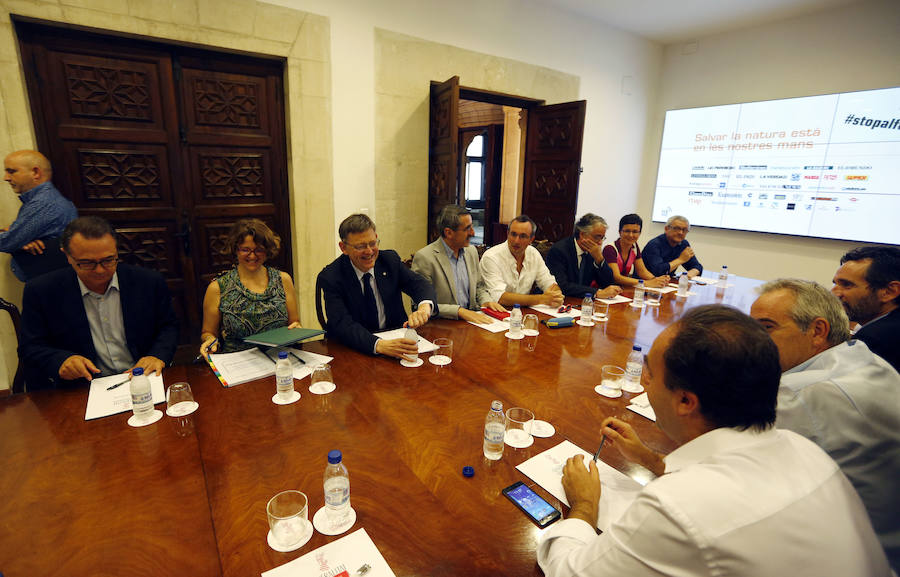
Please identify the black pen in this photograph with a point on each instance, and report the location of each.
(200, 356)
(302, 362)
(597, 454)
(119, 384)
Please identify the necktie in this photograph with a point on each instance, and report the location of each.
(370, 310)
(584, 272)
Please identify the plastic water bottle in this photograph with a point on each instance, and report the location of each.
(587, 308)
(683, 282)
(634, 366)
(494, 429)
(638, 300)
(515, 321)
(141, 395)
(723, 276)
(337, 489)
(284, 376)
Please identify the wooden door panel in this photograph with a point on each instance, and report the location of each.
(230, 175)
(107, 175)
(442, 150)
(552, 167)
(220, 104)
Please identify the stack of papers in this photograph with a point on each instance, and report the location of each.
(346, 556)
(303, 361)
(616, 300)
(103, 402)
(243, 366)
(575, 313)
(619, 490)
(641, 405)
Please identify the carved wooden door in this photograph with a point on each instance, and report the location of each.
(442, 150)
(165, 144)
(552, 167)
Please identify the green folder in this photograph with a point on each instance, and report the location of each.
(282, 337)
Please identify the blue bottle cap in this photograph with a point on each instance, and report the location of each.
(586, 295)
(636, 348)
(137, 371)
(334, 457)
(282, 354)
(516, 306)
(468, 472)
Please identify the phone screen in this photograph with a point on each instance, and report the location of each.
(542, 512)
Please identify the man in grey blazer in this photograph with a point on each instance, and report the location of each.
(451, 265)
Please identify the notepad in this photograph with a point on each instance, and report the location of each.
(282, 336)
(238, 368)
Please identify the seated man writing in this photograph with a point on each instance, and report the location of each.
(738, 497)
(97, 317)
(450, 264)
(510, 269)
(362, 290)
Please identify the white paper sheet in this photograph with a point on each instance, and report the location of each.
(242, 366)
(497, 326)
(619, 490)
(425, 346)
(643, 411)
(300, 370)
(348, 554)
(575, 313)
(103, 403)
(616, 300)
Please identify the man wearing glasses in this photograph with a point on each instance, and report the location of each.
(577, 262)
(665, 253)
(362, 290)
(97, 319)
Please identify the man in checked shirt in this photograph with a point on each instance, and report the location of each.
(41, 219)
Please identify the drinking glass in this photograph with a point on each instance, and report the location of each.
(611, 381)
(443, 354)
(530, 325)
(289, 525)
(652, 297)
(321, 382)
(411, 360)
(518, 427)
(601, 310)
(180, 400)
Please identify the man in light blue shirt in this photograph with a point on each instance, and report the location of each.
(450, 264)
(44, 212)
(838, 394)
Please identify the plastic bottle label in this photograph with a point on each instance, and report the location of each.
(337, 492)
(493, 432)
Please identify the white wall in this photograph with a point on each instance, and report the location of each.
(845, 49)
(528, 31)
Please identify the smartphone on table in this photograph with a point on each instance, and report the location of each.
(540, 511)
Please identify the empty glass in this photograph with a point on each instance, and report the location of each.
(443, 354)
(321, 382)
(518, 427)
(411, 360)
(652, 296)
(530, 325)
(601, 310)
(611, 381)
(289, 525)
(180, 400)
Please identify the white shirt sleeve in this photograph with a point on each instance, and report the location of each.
(543, 277)
(492, 276)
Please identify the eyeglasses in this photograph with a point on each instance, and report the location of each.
(244, 251)
(107, 263)
(679, 228)
(370, 245)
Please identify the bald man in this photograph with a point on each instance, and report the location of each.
(43, 215)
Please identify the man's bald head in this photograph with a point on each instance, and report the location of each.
(25, 169)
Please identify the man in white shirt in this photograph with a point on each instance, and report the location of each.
(510, 270)
(838, 394)
(737, 497)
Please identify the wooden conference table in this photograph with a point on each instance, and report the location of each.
(102, 498)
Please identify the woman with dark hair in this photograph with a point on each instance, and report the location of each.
(624, 256)
(251, 297)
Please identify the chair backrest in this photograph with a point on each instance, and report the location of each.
(320, 305)
(18, 384)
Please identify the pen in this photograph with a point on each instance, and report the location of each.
(200, 356)
(119, 384)
(597, 454)
(302, 362)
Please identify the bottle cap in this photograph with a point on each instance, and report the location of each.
(137, 371)
(641, 281)
(497, 405)
(636, 348)
(468, 471)
(587, 295)
(334, 457)
(516, 306)
(282, 354)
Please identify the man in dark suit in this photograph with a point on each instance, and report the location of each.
(97, 317)
(868, 285)
(577, 261)
(363, 287)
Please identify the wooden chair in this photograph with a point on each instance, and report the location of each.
(18, 384)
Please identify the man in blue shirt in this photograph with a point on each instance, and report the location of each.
(665, 253)
(43, 215)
